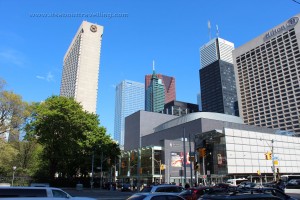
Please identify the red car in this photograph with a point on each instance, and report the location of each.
(193, 193)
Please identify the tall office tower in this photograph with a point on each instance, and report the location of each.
(217, 79)
(130, 98)
(81, 66)
(169, 84)
(155, 94)
(268, 78)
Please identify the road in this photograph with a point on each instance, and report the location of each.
(99, 194)
(113, 195)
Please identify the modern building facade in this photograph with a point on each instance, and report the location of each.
(180, 108)
(268, 78)
(155, 95)
(81, 66)
(217, 79)
(129, 98)
(233, 149)
(169, 85)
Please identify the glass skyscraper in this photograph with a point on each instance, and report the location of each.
(130, 97)
(155, 95)
(217, 79)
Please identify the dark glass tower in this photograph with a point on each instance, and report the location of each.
(217, 79)
(155, 95)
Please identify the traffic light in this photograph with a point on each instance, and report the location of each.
(258, 172)
(268, 155)
(162, 167)
(203, 153)
(196, 166)
(123, 164)
(277, 170)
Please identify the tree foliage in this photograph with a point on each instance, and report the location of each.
(13, 112)
(7, 157)
(68, 135)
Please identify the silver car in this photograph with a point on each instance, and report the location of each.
(163, 188)
(155, 196)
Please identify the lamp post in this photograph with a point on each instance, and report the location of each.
(92, 174)
(159, 163)
(14, 169)
(272, 153)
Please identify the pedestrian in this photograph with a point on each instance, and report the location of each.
(187, 186)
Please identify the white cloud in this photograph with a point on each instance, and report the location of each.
(40, 77)
(49, 77)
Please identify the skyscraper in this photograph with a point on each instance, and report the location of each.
(169, 85)
(268, 78)
(155, 94)
(81, 66)
(130, 98)
(217, 79)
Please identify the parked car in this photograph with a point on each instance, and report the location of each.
(126, 187)
(155, 196)
(223, 185)
(246, 194)
(163, 188)
(248, 184)
(193, 193)
(293, 186)
(36, 192)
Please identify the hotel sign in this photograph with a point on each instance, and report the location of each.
(288, 25)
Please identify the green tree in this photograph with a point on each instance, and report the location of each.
(28, 157)
(13, 112)
(68, 135)
(7, 157)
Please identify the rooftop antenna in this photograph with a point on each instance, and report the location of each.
(217, 31)
(153, 65)
(209, 35)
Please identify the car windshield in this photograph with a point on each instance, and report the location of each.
(136, 197)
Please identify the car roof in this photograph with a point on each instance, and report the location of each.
(28, 187)
(154, 194)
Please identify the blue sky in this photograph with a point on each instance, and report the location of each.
(169, 32)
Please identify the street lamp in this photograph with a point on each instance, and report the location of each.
(159, 163)
(272, 157)
(14, 169)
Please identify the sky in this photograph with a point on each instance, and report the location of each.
(35, 35)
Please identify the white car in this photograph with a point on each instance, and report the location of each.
(155, 196)
(17, 193)
(163, 188)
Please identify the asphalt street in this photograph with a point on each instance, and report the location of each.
(112, 195)
(99, 194)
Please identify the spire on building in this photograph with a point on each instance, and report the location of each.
(209, 35)
(217, 30)
(154, 76)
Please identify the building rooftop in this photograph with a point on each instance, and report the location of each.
(197, 115)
